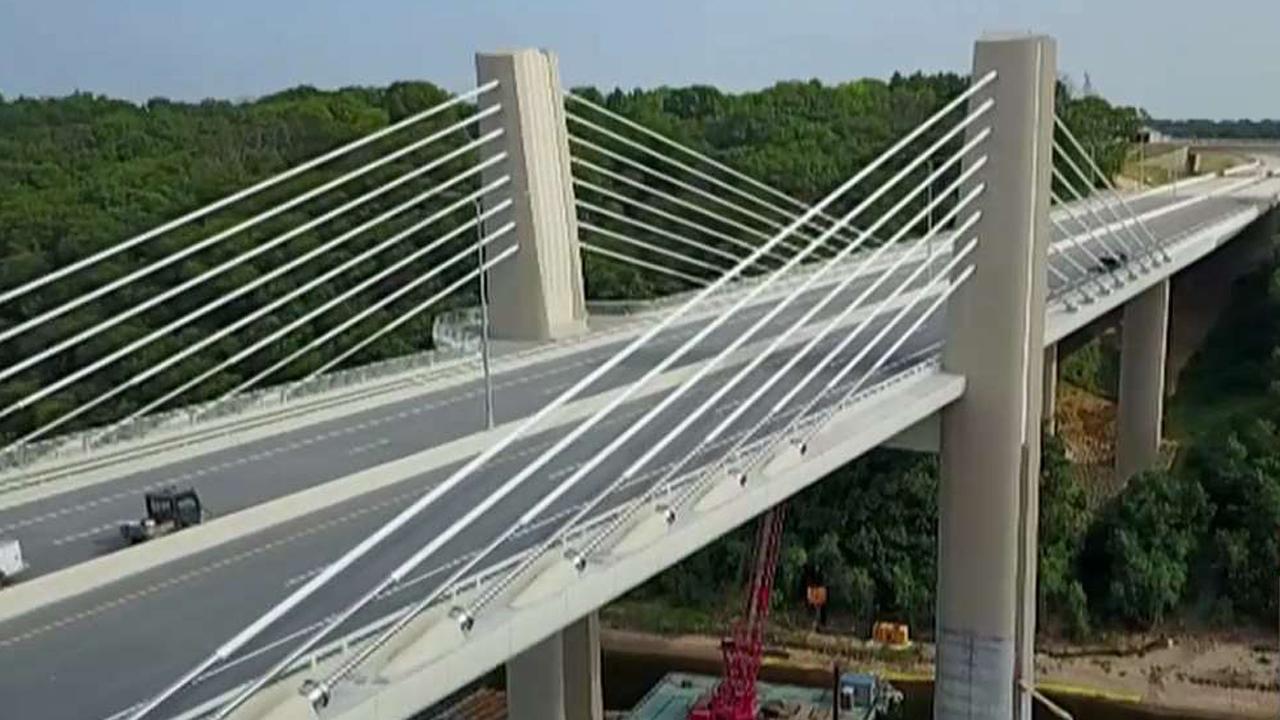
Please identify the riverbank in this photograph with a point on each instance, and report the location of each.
(1189, 679)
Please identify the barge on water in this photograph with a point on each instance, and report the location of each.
(855, 696)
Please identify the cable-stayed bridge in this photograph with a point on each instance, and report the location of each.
(385, 533)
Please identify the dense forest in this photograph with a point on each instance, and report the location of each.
(1227, 129)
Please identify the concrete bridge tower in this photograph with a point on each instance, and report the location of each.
(991, 436)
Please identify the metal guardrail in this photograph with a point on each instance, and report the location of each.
(86, 442)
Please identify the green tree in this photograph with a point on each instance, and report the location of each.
(1144, 545)
(1064, 522)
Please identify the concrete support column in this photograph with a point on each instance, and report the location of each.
(1139, 416)
(1049, 401)
(537, 294)
(988, 494)
(583, 693)
(535, 682)
(559, 678)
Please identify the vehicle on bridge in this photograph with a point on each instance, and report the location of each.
(11, 563)
(1110, 262)
(168, 510)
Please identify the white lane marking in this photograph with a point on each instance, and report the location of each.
(89, 533)
(367, 447)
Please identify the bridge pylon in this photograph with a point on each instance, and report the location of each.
(538, 295)
(991, 436)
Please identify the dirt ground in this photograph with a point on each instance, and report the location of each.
(1234, 676)
(1216, 677)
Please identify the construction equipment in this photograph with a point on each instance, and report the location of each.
(890, 634)
(863, 696)
(11, 562)
(168, 510)
(734, 697)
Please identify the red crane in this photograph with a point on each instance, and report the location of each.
(734, 697)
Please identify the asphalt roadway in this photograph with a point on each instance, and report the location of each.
(98, 653)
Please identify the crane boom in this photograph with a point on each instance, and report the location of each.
(734, 697)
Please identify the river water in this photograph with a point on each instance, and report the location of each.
(628, 676)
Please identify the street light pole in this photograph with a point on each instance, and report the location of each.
(929, 222)
(483, 278)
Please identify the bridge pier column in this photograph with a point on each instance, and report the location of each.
(559, 678)
(988, 494)
(1049, 401)
(538, 293)
(1139, 415)
(535, 682)
(583, 693)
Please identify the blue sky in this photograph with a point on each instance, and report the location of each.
(1174, 57)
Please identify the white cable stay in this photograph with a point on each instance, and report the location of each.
(1059, 250)
(156, 300)
(692, 489)
(1067, 283)
(795, 388)
(770, 223)
(711, 232)
(381, 303)
(321, 309)
(213, 305)
(656, 249)
(233, 230)
(835, 322)
(1103, 225)
(1149, 247)
(425, 304)
(723, 167)
(1090, 202)
(1083, 248)
(654, 229)
(681, 202)
(586, 425)
(616, 137)
(920, 320)
(723, 388)
(406, 515)
(743, 337)
(250, 191)
(1062, 277)
(1096, 234)
(644, 264)
(1066, 131)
